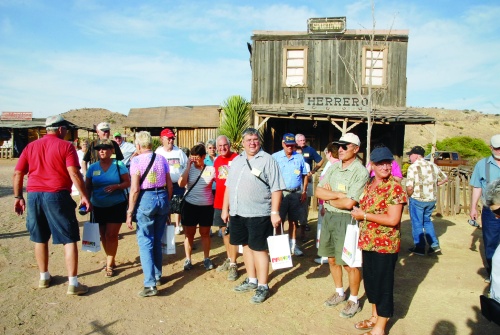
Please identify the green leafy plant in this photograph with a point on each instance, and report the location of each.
(472, 149)
(235, 119)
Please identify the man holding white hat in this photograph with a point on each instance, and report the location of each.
(485, 172)
(91, 156)
(341, 188)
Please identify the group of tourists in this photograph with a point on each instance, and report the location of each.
(247, 195)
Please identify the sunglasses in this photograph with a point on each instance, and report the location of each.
(344, 146)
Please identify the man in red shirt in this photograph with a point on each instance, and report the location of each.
(52, 166)
(221, 165)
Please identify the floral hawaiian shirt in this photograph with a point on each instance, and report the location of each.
(373, 236)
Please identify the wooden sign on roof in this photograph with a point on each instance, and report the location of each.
(16, 116)
(326, 25)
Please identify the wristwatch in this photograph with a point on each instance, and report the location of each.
(273, 212)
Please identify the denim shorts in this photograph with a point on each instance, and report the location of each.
(252, 231)
(52, 213)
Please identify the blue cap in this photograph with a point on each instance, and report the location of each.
(381, 154)
(289, 139)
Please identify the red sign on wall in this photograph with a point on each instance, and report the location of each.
(16, 116)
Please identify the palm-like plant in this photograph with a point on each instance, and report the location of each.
(235, 119)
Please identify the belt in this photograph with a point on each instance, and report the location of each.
(292, 190)
(155, 189)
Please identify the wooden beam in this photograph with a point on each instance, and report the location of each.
(263, 123)
(336, 125)
(352, 126)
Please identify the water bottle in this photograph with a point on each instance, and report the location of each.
(82, 210)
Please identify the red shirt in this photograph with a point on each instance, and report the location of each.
(221, 165)
(46, 161)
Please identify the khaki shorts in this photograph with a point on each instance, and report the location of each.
(332, 238)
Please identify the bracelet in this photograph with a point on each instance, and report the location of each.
(273, 212)
(19, 197)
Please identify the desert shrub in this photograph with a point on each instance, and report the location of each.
(404, 168)
(472, 149)
(156, 143)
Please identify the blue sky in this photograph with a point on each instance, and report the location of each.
(61, 55)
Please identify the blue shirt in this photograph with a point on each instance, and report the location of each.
(101, 179)
(478, 178)
(310, 155)
(291, 168)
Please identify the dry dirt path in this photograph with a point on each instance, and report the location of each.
(433, 295)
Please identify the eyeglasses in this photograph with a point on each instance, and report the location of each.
(344, 146)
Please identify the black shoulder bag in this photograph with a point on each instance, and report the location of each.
(177, 202)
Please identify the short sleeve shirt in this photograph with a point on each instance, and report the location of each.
(201, 194)
(249, 196)
(373, 236)
(91, 155)
(423, 176)
(479, 178)
(177, 160)
(157, 175)
(292, 169)
(101, 179)
(350, 181)
(310, 155)
(46, 162)
(221, 165)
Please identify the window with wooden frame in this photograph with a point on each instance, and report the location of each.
(375, 66)
(294, 66)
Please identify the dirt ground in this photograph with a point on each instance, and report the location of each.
(433, 295)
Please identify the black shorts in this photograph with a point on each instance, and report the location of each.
(113, 214)
(193, 215)
(252, 231)
(218, 219)
(378, 276)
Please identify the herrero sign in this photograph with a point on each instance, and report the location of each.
(335, 102)
(326, 25)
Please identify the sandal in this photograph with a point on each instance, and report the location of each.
(110, 272)
(365, 324)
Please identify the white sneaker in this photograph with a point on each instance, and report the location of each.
(177, 230)
(219, 233)
(296, 251)
(321, 260)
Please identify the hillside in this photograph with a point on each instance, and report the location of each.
(449, 123)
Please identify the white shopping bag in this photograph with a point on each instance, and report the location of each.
(168, 240)
(279, 251)
(91, 240)
(351, 254)
(240, 249)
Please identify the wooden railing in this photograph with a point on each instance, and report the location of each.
(454, 197)
(6, 153)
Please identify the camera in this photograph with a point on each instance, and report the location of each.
(473, 223)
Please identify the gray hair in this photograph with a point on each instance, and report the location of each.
(492, 195)
(143, 139)
(220, 137)
(211, 142)
(251, 131)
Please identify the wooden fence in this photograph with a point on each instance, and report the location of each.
(455, 196)
(7, 153)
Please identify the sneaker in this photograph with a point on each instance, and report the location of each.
(350, 309)
(208, 264)
(417, 251)
(296, 251)
(187, 265)
(233, 273)
(334, 300)
(77, 290)
(219, 233)
(432, 250)
(148, 291)
(224, 266)
(245, 286)
(261, 294)
(181, 228)
(178, 230)
(321, 260)
(44, 283)
(211, 233)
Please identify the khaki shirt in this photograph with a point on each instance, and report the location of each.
(350, 181)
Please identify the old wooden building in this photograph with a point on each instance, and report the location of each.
(328, 80)
(190, 123)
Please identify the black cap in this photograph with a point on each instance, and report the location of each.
(416, 150)
(104, 144)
